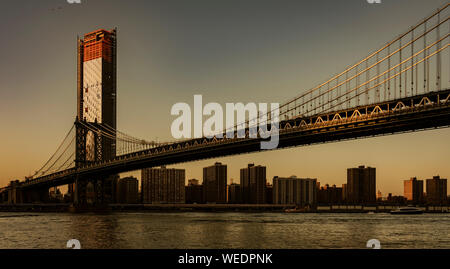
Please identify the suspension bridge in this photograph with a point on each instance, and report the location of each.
(402, 87)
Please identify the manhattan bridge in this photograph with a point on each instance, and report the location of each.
(401, 87)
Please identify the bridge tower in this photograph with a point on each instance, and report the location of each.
(96, 104)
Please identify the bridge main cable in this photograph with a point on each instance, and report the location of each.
(54, 154)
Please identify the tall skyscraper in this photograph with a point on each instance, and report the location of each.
(413, 190)
(96, 103)
(163, 185)
(361, 185)
(293, 190)
(96, 89)
(437, 190)
(253, 184)
(215, 183)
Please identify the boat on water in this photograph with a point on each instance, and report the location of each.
(410, 210)
(298, 209)
(295, 210)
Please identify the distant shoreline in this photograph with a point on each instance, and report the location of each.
(54, 208)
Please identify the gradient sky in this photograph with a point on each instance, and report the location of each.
(229, 51)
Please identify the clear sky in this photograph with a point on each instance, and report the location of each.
(228, 51)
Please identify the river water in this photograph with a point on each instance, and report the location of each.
(187, 230)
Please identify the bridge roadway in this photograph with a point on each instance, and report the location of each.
(421, 112)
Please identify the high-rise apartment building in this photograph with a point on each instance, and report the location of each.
(361, 185)
(293, 190)
(253, 184)
(163, 185)
(413, 190)
(215, 183)
(437, 190)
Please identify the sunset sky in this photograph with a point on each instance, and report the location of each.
(228, 51)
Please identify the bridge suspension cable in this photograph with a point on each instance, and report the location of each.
(394, 76)
(67, 163)
(379, 66)
(124, 142)
(70, 146)
(41, 170)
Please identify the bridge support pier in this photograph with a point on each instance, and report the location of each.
(4, 197)
(15, 195)
(92, 193)
(95, 191)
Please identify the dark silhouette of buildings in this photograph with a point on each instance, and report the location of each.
(379, 196)
(234, 194)
(55, 195)
(127, 190)
(215, 183)
(194, 192)
(269, 193)
(163, 185)
(193, 181)
(361, 185)
(437, 190)
(344, 192)
(293, 190)
(253, 184)
(413, 190)
(329, 195)
(397, 200)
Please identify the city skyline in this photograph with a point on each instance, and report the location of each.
(224, 132)
(359, 188)
(427, 157)
(338, 183)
